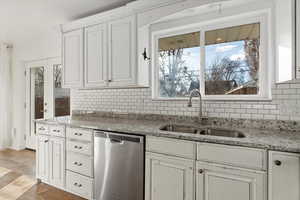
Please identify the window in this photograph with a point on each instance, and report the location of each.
(232, 60)
(225, 62)
(179, 64)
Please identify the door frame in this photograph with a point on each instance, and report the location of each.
(47, 63)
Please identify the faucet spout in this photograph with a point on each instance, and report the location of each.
(196, 93)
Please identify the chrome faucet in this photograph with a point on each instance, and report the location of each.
(195, 93)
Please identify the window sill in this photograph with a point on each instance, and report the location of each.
(262, 99)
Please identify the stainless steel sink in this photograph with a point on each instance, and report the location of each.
(179, 128)
(202, 131)
(222, 132)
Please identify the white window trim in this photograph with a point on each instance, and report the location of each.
(265, 71)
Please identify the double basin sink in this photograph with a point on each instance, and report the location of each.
(202, 131)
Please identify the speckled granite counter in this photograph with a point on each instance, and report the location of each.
(257, 138)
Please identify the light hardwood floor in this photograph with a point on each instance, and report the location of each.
(22, 163)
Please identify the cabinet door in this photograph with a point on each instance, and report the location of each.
(216, 182)
(57, 162)
(96, 56)
(169, 178)
(42, 158)
(284, 176)
(122, 52)
(73, 59)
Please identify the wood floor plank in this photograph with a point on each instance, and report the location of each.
(8, 178)
(23, 163)
(43, 191)
(16, 188)
(4, 171)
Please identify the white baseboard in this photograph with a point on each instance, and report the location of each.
(17, 148)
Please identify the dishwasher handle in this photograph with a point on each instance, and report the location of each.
(115, 141)
(119, 138)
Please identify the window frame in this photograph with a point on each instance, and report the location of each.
(265, 58)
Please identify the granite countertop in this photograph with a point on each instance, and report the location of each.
(256, 138)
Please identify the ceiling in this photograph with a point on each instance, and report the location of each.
(27, 19)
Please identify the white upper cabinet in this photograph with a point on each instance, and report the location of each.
(122, 52)
(284, 173)
(109, 52)
(96, 56)
(73, 59)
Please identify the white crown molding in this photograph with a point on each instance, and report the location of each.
(137, 7)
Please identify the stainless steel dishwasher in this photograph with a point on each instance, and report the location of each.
(119, 166)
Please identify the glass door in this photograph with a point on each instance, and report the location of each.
(37, 92)
(61, 96)
(37, 98)
(46, 98)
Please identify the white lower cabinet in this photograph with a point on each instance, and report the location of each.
(80, 185)
(57, 162)
(203, 174)
(217, 182)
(51, 160)
(284, 176)
(50, 154)
(42, 158)
(169, 178)
(80, 162)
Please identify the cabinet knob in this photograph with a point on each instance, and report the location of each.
(277, 162)
(78, 184)
(46, 141)
(109, 80)
(200, 171)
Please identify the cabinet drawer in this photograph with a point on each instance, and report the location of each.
(80, 185)
(231, 155)
(80, 134)
(80, 163)
(42, 129)
(58, 131)
(179, 148)
(80, 147)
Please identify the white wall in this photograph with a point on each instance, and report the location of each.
(46, 45)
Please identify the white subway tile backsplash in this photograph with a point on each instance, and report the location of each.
(284, 106)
